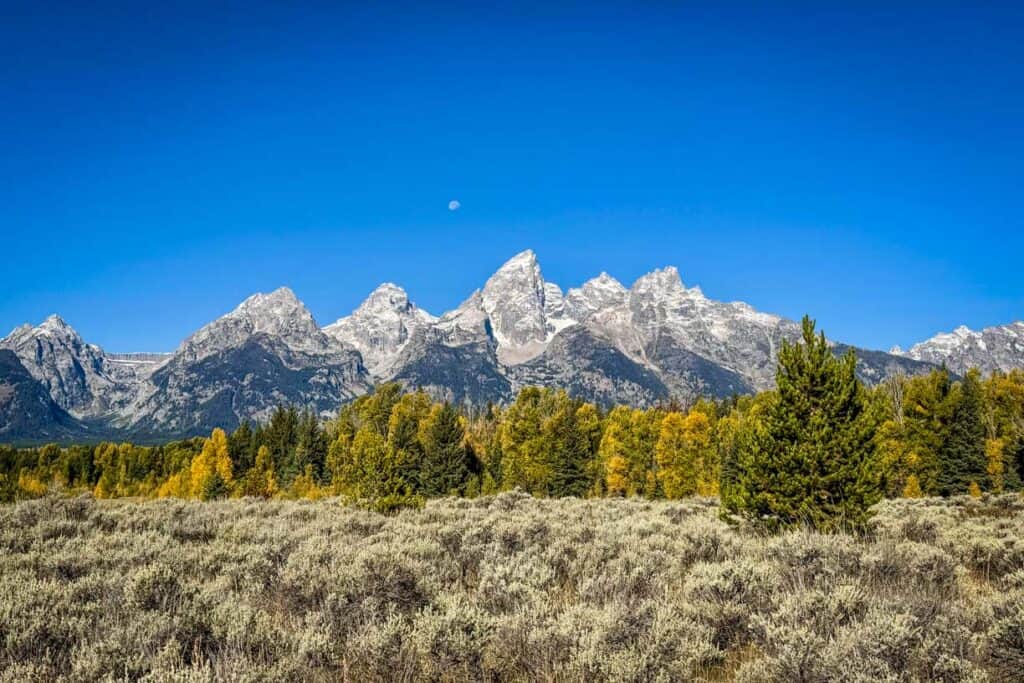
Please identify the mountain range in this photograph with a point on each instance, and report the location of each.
(602, 341)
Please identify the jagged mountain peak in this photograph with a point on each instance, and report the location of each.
(554, 300)
(999, 347)
(280, 302)
(56, 323)
(660, 280)
(381, 326)
(388, 298)
(604, 280)
(594, 295)
(53, 327)
(74, 372)
(514, 299)
(527, 258)
(278, 314)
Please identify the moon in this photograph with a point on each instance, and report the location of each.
(454, 204)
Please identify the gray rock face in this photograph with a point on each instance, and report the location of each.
(598, 294)
(515, 302)
(586, 365)
(606, 343)
(79, 377)
(266, 352)
(26, 410)
(993, 348)
(381, 327)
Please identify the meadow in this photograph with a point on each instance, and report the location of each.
(505, 588)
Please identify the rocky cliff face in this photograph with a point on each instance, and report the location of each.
(993, 348)
(267, 352)
(79, 377)
(26, 409)
(606, 343)
(381, 327)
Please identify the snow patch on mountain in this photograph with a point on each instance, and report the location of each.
(1000, 347)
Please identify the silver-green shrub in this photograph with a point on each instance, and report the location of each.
(504, 588)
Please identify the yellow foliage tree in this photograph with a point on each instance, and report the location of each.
(617, 475)
(996, 467)
(260, 481)
(176, 486)
(974, 490)
(686, 459)
(305, 486)
(210, 474)
(912, 489)
(30, 484)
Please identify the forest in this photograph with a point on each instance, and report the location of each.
(910, 436)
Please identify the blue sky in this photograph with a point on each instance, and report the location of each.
(160, 164)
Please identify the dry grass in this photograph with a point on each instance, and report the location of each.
(504, 588)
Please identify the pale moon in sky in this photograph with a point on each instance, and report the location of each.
(454, 204)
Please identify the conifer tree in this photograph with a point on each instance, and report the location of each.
(242, 448)
(568, 449)
(926, 416)
(407, 414)
(446, 464)
(961, 456)
(812, 463)
(281, 436)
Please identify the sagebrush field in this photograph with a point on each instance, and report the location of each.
(505, 588)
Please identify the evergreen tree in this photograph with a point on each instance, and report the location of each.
(375, 410)
(242, 448)
(926, 416)
(568, 449)
(310, 450)
(404, 435)
(446, 464)
(812, 463)
(281, 436)
(961, 456)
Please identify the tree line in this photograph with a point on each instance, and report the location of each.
(820, 448)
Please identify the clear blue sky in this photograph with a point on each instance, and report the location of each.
(158, 165)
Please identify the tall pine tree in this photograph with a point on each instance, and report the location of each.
(446, 464)
(961, 456)
(812, 460)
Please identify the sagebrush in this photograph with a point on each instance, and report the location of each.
(502, 588)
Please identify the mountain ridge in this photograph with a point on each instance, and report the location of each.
(605, 342)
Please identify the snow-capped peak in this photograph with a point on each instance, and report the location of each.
(55, 323)
(278, 314)
(1000, 347)
(594, 295)
(387, 297)
(514, 300)
(381, 326)
(270, 308)
(659, 282)
(54, 329)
